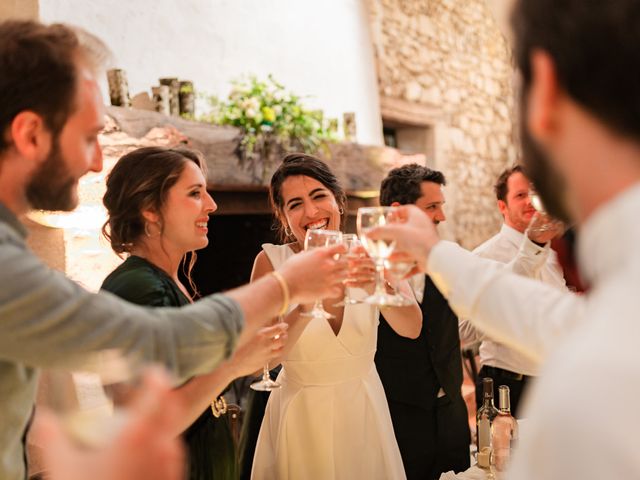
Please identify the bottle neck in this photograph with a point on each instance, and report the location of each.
(488, 400)
(505, 400)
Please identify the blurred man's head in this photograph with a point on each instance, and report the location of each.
(51, 110)
(512, 193)
(580, 75)
(418, 185)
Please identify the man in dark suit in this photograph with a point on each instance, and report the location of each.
(422, 378)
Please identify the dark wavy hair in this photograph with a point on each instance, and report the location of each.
(302, 164)
(141, 181)
(404, 184)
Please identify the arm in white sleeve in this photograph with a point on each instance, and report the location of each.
(530, 258)
(524, 314)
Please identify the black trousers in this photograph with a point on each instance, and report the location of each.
(433, 440)
(517, 386)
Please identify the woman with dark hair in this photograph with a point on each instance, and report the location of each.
(158, 208)
(330, 418)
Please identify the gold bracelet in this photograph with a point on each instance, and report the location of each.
(285, 292)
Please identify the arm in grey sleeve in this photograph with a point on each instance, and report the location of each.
(525, 314)
(48, 320)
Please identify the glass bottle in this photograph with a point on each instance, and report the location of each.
(484, 463)
(504, 431)
(485, 415)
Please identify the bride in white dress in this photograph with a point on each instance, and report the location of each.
(330, 418)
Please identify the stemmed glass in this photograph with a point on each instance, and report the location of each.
(352, 243)
(265, 384)
(316, 238)
(535, 226)
(397, 267)
(379, 250)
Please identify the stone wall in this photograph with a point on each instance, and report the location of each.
(446, 64)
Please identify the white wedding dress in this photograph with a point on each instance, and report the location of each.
(330, 419)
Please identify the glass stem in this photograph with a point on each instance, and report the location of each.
(265, 373)
(380, 290)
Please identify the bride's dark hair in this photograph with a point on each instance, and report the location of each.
(309, 166)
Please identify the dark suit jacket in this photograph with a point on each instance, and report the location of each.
(412, 371)
(432, 433)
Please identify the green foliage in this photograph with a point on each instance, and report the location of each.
(272, 119)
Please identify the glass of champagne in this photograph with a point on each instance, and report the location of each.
(379, 250)
(398, 267)
(316, 238)
(352, 243)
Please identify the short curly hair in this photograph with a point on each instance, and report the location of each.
(403, 184)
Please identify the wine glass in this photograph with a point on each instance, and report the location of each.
(91, 404)
(544, 223)
(536, 201)
(397, 267)
(316, 238)
(352, 243)
(379, 250)
(265, 384)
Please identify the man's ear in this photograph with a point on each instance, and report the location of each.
(503, 207)
(30, 136)
(543, 96)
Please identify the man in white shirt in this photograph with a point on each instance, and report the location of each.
(581, 141)
(515, 242)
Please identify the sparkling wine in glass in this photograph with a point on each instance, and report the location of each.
(317, 238)
(352, 244)
(379, 250)
(398, 267)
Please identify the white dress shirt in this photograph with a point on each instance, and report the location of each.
(524, 257)
(583, 414)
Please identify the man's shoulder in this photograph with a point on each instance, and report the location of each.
(489, 245)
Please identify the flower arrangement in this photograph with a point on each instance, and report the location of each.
(273, 122)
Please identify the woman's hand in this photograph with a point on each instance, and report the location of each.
(265, 346)
(315, 274)
(362, 270)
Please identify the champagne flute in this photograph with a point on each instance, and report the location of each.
(352, 243)
(316, 238)
(379, 250)
(397, 267)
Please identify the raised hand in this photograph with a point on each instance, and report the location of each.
(265, 346)
(415, 235)
(146, 447)
(314, 274)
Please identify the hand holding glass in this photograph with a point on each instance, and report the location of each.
(398, 266)
(379, 250)
(352, 243)
(316, 238)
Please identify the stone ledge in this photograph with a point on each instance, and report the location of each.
(359, 167)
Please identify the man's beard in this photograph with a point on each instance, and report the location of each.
(52, 187)
(547, 182)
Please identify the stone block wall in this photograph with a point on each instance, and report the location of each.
(448, 62)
